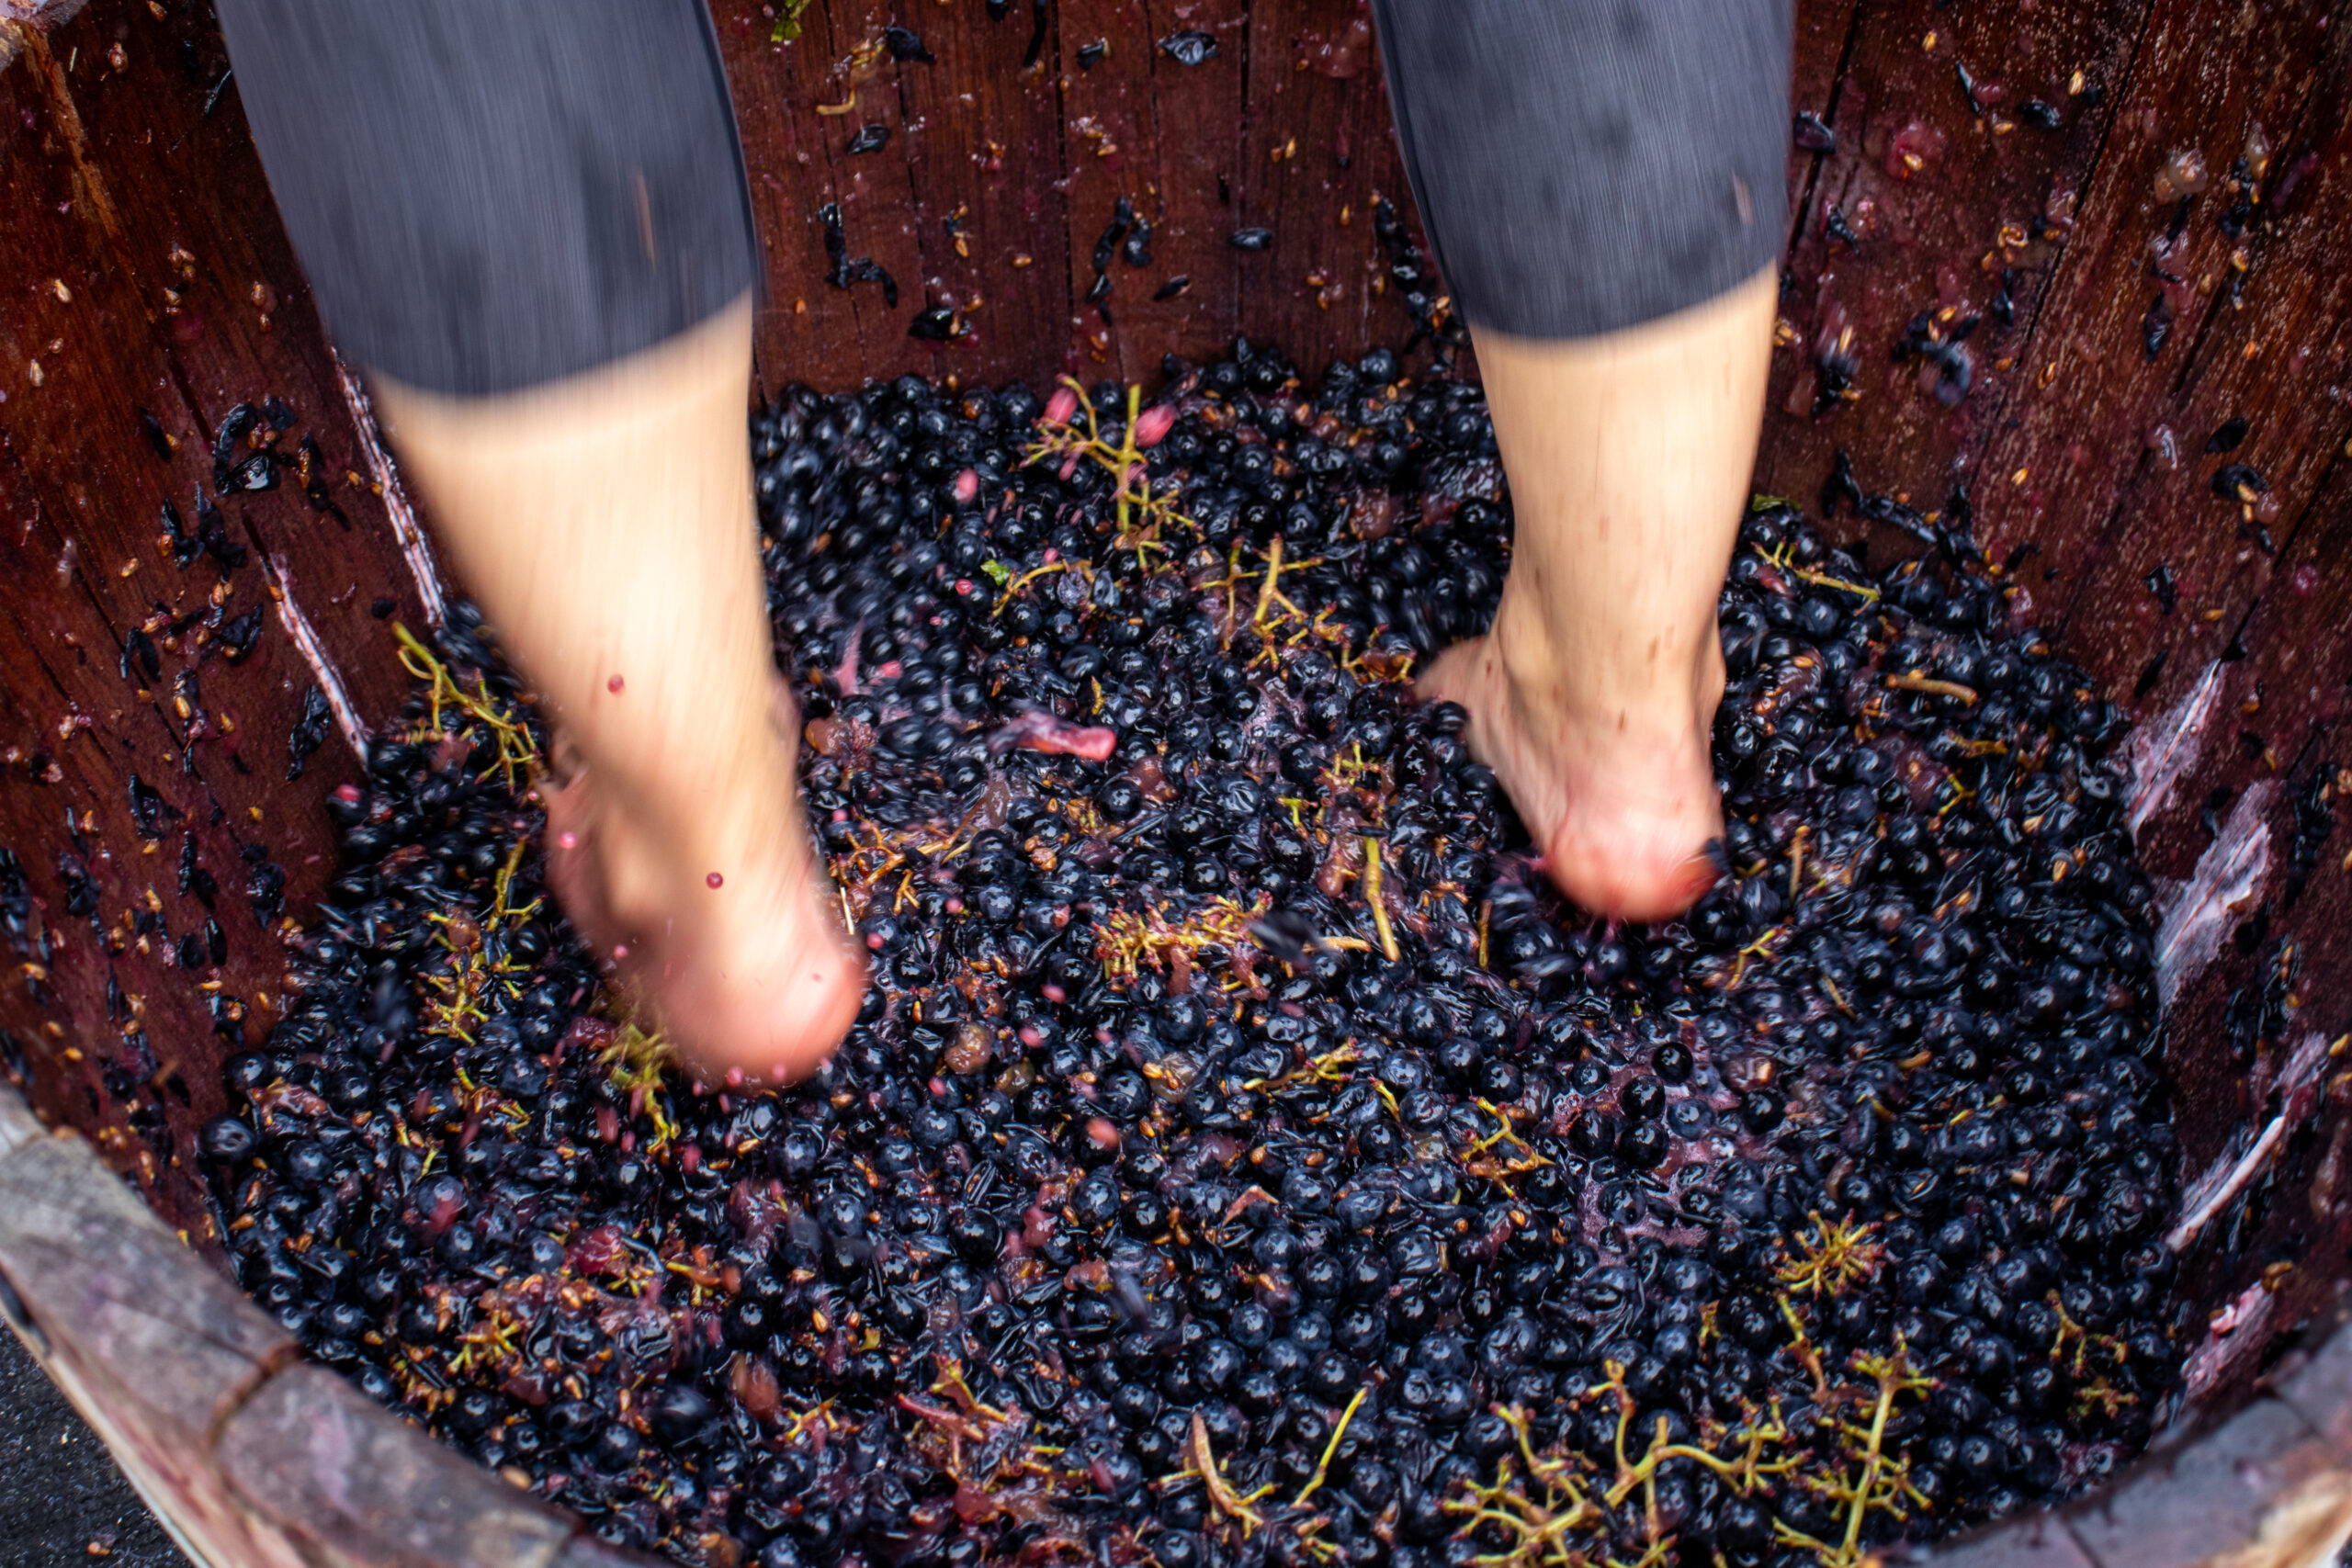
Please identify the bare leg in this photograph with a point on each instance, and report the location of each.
(606, 524)
(1594, 695)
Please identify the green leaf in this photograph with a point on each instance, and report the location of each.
(787, 21)
(998, 572)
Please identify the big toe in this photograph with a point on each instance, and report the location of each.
(774, 1015)
(1609, 886)
(1638, 865)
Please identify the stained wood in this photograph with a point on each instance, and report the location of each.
(1921, 236)
(2277, 722)
(2088, 441)
(257, 1458)
(154, 277)
(1035, 159)
(2261, 597)
(348, 1483)
(1823, 43)
(955, 112)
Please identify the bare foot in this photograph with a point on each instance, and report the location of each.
(1617, 789)
(739, 955)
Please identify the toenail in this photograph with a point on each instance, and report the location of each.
(714, 879)
(734, 1077)
(614, 685)
(567, 841)
(620, 951)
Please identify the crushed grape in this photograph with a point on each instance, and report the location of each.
(1242, 1154)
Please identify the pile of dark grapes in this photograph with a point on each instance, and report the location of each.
(1242, 1154)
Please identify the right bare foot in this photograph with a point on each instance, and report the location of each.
(1593, 698)
(1616, 788)
(737, 954)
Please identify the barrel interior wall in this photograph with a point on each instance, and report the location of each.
(938, 186)
(2119, 334)
(154, 687)
(2087, 265)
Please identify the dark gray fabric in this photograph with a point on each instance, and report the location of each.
(492, 193)
(1585, 165)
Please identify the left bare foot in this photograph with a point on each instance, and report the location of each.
(740, 956)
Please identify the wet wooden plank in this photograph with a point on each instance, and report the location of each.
(1910, 214)
(1202, 122)
(2249, 344)
(2270, 730)
(983, 150)
(1321, 151)
(1112, 160)
(1036, 160)
(350, 1485)
(188, 238)
(113, 1032)
(798, 321)
(1823, 38)
(874, 189)
(809, 327)
(131, 1045)
(2247, 668)
(108, 345)
(117, 1035)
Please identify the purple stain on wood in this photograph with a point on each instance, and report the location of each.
(2164, 751)
(2236, 1166)
(314, 653)
(2227, 883)
(2239, 1329)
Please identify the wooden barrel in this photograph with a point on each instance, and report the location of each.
(2083, 264)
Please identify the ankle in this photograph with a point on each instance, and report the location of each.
(1602, 699)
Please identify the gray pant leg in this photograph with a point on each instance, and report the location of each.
(491, 194)
(1585, 165)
